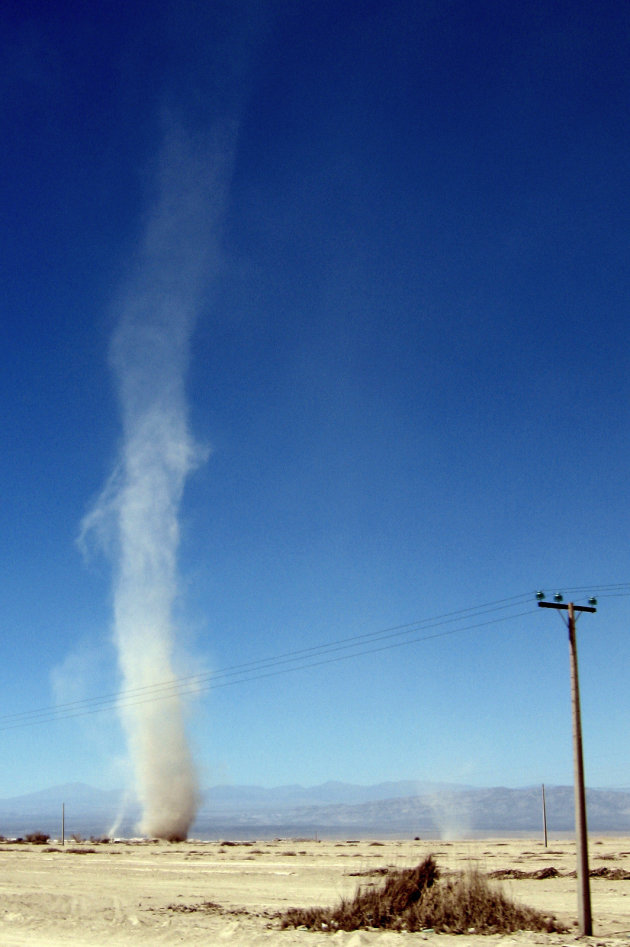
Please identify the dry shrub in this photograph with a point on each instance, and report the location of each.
(207, 907)
(414, 899)
(37, 838)
(467, 902)
(541, 874)
(614, 874)
(389, 906)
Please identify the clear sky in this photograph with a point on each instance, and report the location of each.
(408, 368)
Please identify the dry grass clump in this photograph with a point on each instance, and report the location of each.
(414, 899)
(614, 874)
(38, 838)
(393, 905)
(207, 907)
(541, 874)
(466, 902)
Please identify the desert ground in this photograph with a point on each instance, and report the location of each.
(230, 892)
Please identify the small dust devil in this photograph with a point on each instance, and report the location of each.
(137, 512)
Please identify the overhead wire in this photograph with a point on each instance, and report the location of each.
(287, 661)
(299, 659)
(186, 688)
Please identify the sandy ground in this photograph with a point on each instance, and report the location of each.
(229, 893)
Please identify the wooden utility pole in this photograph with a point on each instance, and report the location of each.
(584, 890)
(544, 805)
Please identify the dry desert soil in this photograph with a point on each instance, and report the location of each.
(230, 893)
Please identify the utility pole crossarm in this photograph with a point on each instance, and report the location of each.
(576, 608)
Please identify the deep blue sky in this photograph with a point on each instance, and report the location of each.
(410, 366)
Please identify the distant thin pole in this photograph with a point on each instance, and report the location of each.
(544, 805)
(63, 823)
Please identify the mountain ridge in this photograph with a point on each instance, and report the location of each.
(435, 809)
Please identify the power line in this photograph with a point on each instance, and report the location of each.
(283, 663)
(300, 659)
(287, 657)
(602, 591)
(258, 674)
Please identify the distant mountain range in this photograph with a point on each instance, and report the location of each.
(406, 808)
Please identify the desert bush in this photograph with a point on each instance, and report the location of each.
(386, 906)
(414, 899)
(208, 907)
(615, 874)
(468, 902)
(540, 874)
(38, 838)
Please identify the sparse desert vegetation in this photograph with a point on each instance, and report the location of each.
(398, 894)
(38, 838)
(416, 899)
